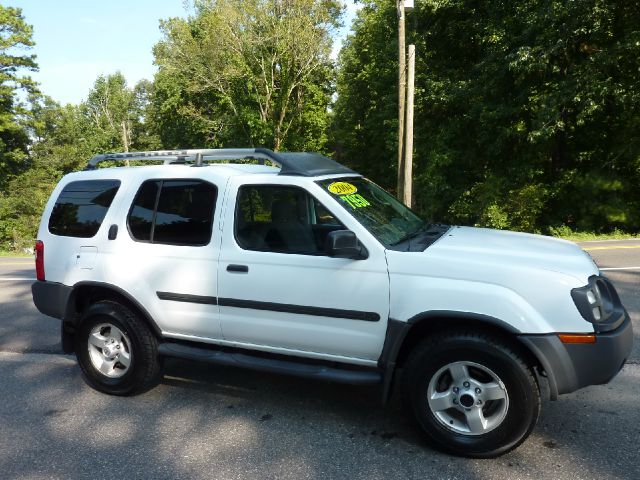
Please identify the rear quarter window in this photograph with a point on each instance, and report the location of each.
(81, 207)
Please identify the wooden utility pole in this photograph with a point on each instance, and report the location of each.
(401, 97)
(408, 141)
(125, 140)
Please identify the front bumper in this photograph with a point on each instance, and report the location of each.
(570, 367)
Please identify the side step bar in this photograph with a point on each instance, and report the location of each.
(272, 365)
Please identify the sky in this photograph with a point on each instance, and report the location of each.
(78, 40)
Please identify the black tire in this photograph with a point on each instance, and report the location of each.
(437, 356)
(144, 367)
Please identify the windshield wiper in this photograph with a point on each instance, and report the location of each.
(422, 229)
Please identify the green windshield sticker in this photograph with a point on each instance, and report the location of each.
(355, 200)
(342, 188)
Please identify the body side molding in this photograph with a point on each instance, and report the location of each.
(184, 297)
(300, 309)
(273, 307)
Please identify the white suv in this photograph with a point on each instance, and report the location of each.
(307, 268)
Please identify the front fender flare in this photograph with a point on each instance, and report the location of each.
(398, 331)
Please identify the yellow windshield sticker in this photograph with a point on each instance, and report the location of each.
(355, 201)
(342, 188)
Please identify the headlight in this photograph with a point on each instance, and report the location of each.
(599, 303)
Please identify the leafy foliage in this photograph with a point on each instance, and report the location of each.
(63, 139)
(15, 44)
(527, 113)
(252, 72)
(364, 132)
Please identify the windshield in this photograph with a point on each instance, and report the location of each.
(386, 218)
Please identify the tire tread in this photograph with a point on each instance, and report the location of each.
(423, 349)
(147, 366)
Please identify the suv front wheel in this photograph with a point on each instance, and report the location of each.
(472, 393)
(116, 351)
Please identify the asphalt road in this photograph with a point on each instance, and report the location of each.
(212, 422)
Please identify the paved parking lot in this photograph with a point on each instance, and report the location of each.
(212, 422)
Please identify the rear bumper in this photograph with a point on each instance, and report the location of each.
(570, 367)
(51, 298)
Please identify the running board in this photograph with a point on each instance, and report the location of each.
(271, 365)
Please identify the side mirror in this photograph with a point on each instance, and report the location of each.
(344, 244)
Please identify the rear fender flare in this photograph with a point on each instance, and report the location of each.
(73, 314)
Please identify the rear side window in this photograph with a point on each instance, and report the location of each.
(141, 215)
(81, 208)
(174, 212)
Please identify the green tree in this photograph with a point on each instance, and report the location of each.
(60, 145)
(15, 44)
(63, 139)
(115, 112)
(363, 134)
(254, 72)
(527, 113)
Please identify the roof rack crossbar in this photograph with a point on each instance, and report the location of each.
(290, 163)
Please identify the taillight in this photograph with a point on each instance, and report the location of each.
(40, 260)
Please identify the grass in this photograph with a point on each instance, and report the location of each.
(568, 234)
(4, 253)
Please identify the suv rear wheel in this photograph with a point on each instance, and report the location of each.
(116, 351)
(472, 393)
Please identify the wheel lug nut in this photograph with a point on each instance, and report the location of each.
(479, 402)
(466, 384)
(478, 391)
(455, 389)
(455, 401)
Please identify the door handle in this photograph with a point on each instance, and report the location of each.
(237, 268)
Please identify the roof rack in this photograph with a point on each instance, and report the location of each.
(303, 164)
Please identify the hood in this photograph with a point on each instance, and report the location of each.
(500, 248)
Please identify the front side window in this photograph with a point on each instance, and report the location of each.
(390, 221)
(81, 208)
(174, 212)
(282, 219)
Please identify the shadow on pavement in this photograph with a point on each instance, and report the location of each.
(207, 422)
